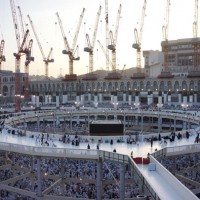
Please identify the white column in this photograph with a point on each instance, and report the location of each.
(195, 98)
(89, 97)
(159, 100)
(100, 97)
(124, 97)
(191, 98)
(37, 101)
(185, 100)
(64, 100)
(129, 100)
(95, 100)
(50, 98)
(169, 99)
(46, 99)
(165, 97)
(112, 99)
(82, 99)
(179, 98)
(57, 102)
(33, 99)
(115, 101)
(150, 98)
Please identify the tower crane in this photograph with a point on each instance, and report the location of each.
(21, 50)
(71, 51)
(104, 51)
(107, 34)
(165, 29)
(113, 40)
(29, 58)
(90, 46)
(2, 59)
(46, 59)
(138, 39)
(195, 36)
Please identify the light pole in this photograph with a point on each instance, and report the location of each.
(159, 106)
(137, 105)
(184, 106)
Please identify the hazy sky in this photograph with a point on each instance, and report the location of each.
(42, 13)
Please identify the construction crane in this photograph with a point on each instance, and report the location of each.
(165, 30)
(113, 40)
(2, 57)
(29, 58)
(71, 51)
(104, 51)
(107, 34)
(195, 36)
(47, 59)
(90, 46)
(138, 39)
(21, 51)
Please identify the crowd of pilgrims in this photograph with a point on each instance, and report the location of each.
(187, 165)
(79, 177)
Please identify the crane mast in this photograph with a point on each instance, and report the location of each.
(165, 36)
(68, 50)
(113, 40)
(47, 59)
(29, 58)
(195, 36)
(90, 48)
(107, 34)
(138, 39)
(2, 59)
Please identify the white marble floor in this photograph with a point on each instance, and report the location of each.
(140, 149)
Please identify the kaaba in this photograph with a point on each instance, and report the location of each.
(106, 128)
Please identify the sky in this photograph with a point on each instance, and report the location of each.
(42, 13)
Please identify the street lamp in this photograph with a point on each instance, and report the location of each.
(115, 104)
(159, 106)
(137, 105)
(184, 106)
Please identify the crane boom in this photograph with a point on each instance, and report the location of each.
(104, 51)
(68, 50)
(66, 43)
(165, 36)
(2, 57)
(96, 27)
(138, 38)
(78, 29)
(117, 23)
(36, 36)
(107, 34)
(113, 40)
(15, 22)
(90, 48)
(21, 21)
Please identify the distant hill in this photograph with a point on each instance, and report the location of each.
(101, 73)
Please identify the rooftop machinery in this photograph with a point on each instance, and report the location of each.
(2, 59)
(47, 59)
(138, 43)
(90, 49)
(71, 51)
(165, 29)
(112, 47)
(22, 49)
(195, 72)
